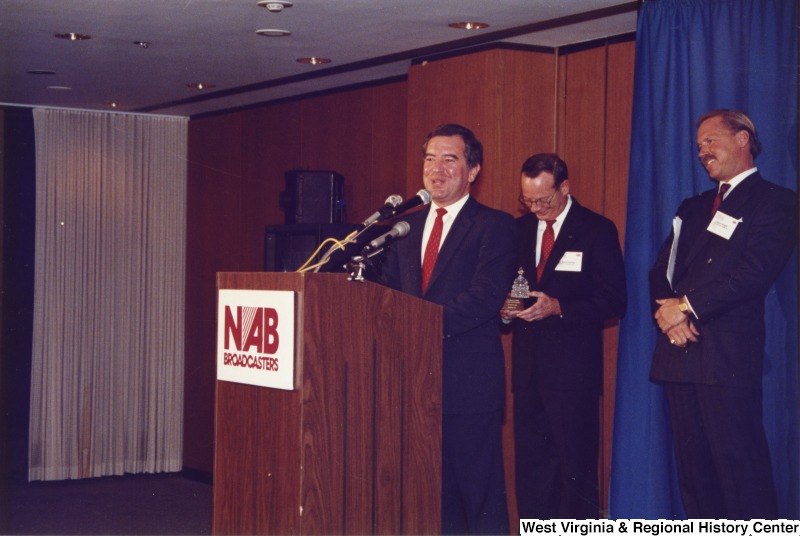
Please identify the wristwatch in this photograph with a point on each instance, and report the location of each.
(683, 305)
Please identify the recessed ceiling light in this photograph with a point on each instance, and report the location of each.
(468, 25)
(71, 36)
(313, 61)
(201, 85)
(41, 71)
(275, 6)
(273, 32)
(142, 44)
(114, 104)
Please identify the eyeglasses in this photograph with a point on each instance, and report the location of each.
(541, 202)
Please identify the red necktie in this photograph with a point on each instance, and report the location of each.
(548, 238)
(432, 249)
(724, 187)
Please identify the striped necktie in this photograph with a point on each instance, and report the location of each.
(432, 248)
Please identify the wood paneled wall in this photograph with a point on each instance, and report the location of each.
(235, 176)
(504, 96)
(577, 103)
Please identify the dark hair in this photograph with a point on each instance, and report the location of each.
(549, 162)
(736, 121)
(473, 149)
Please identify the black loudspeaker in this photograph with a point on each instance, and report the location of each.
(288, 247)
(313, 197)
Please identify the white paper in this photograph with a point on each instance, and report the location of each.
(676, 233)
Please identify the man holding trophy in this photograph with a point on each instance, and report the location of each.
(570, 259)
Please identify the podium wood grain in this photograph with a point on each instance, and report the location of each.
(356, 447)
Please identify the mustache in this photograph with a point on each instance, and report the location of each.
(706, 158)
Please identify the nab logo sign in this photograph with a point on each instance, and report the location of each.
(255, 337)
(258, 326)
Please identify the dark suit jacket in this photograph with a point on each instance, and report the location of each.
(566, 352)
(472, 276)
(726, 281)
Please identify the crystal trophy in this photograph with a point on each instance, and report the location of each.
(519, 297)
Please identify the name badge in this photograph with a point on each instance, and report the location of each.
(572, 261)
(723, 225)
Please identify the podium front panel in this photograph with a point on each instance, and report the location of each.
(357, 447)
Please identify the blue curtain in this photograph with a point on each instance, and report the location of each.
(693, 56)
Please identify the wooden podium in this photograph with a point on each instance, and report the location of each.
(356, 447)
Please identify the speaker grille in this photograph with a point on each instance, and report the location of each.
(313, 197)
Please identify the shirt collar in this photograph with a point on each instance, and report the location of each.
(734, 182)
(561, 217)
(452, 210)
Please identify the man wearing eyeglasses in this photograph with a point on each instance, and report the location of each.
(708, 286)
(572, 260)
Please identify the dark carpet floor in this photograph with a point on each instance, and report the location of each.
(131, 504)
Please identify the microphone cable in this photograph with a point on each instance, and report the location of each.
(337, 245)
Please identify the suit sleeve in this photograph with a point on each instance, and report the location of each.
(659, 284)
(660, 288)
(387, 269)
(490, 281)
(607, 297)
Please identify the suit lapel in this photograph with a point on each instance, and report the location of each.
(732, 205)
(566, 237)
(413, 248)
(458, 231)
(735, 203)
(693, 235)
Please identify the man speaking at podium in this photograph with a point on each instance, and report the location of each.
(460, 255)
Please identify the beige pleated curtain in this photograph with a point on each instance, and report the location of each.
(107, 375)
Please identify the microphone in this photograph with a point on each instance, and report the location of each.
(385, 211)
(423, 197)
(399, 230)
